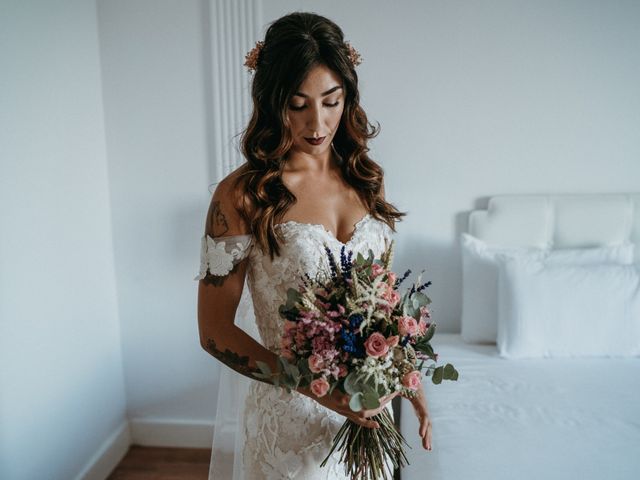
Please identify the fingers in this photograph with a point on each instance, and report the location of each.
(425, 432)
(361, 419)
(422, 431)
(365, 422)
(383, 403)
(388, 398)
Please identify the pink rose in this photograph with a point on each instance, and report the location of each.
(287, 353)
(300, 338)
(422, 327)
(376, 345)
(319, 387)
(286, 342)
(424, 312)
(376, 269)
(393, 341)
(394, 298)
(289, 325)
(316, 363)
(412, 380)
(391, 277)
(342, 370)
(407, 326)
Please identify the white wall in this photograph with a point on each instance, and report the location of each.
(153, 59)
(62, 397)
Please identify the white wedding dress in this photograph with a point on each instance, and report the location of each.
(280, 435)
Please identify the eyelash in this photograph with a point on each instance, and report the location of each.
(332, 105)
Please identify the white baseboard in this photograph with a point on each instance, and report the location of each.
(107, 457)
(178, 434)
(148, 433)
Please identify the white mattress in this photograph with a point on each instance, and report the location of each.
(527, 418)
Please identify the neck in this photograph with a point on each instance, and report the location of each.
(321, 163)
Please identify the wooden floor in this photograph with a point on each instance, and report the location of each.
(154, 463)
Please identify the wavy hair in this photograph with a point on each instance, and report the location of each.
(293, 45)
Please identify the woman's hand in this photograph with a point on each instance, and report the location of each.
(339, 402)
(422, 412)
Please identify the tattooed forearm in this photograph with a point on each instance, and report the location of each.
(216, 222)
(239, 363)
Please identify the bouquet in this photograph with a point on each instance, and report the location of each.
(351, 329)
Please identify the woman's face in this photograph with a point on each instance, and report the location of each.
(315, 110)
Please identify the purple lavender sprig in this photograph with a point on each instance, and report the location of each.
(332, 262)
(418, 289)
(345, 263)
(400, 280)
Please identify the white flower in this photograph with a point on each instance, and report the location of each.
(220, 262)
(219, 255)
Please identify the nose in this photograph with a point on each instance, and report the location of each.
(314, 120)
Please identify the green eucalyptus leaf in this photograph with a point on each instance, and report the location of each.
(303, 366)
(283, 365)
(437, 375)
(370, 400)
(332, 387)
(355, 403)
(263, 367)
(449, 372)
(293, 297)
(421, 298)
(351, 383)
(430, 331)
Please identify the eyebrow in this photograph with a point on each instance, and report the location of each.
(324, 94)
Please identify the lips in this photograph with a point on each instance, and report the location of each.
(315, 141)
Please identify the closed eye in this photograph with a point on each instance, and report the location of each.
(330, 105)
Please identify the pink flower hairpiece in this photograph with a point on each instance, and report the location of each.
(252, 57)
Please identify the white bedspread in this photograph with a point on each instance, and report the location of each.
(527, 419)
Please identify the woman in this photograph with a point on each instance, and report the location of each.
(307, 182)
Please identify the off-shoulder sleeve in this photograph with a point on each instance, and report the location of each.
(219, 255)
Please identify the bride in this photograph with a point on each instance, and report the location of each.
(307, 183)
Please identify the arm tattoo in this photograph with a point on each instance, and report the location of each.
(217, 223)
(233, 360)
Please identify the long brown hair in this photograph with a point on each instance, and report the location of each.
(293, 45)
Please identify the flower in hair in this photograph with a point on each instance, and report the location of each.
(354, 56)
(251, 58)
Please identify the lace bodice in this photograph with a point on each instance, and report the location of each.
(303, 251)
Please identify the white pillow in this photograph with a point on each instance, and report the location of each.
(567, 310)
(621, 254)
(479, 323)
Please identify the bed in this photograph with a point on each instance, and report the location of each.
(532, 418)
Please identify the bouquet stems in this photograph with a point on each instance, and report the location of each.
(365, 451)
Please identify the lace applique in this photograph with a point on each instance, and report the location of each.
(219, 255)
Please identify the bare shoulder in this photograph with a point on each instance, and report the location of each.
(223, 217)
